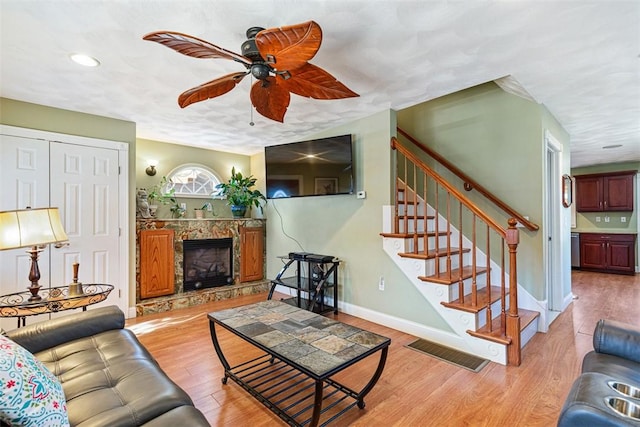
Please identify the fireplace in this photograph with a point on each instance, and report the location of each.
(207, 263)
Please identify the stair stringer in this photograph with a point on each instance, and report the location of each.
(459, 321)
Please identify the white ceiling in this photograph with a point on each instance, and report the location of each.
(578, 58)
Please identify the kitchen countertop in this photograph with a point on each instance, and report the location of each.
(607, 231)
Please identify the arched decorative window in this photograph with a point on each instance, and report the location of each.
(193, 180)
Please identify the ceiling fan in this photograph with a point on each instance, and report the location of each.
(277, 57)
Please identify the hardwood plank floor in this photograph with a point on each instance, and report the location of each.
(415, 389)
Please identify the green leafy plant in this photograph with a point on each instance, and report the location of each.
(164, 193)
(161, 193)
(238, 190)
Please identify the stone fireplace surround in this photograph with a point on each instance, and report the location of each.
(191, 229)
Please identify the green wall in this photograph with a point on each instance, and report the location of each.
(498, 140)
(170, 156)
(349, 228)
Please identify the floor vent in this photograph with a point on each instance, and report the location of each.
(448, 354)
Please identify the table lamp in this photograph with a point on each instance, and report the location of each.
(31, 227)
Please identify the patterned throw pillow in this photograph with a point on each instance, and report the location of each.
(30, 395)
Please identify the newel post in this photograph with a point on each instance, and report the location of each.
(513, 318)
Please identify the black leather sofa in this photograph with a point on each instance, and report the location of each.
(607, 393)
(108, 377)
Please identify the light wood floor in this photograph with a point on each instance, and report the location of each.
(415, 389)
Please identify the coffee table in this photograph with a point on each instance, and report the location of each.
(301, 354)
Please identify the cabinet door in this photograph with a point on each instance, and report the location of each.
(589, 194)
(157, 265)
(621, 255)
(618, 193)
(592, 254)
(251, 253)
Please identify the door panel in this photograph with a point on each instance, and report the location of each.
(592, 254)
(84, 183)
(620, 256)
(24, 173)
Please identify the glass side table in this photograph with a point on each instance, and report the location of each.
(53, 300)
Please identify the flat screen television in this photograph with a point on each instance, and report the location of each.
(316, 167)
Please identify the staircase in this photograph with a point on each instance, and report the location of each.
(461, 261)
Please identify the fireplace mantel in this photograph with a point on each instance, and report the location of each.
(193, 229)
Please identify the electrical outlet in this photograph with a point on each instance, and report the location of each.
(607, 219)
(381, 284)
(361, 195)
(623, 219)
(597, 219)
(209, 207)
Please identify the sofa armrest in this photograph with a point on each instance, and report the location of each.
(50, 333)
(617, 339)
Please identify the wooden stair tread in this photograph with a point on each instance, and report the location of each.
(411, 235)
(498, 334)
(449, 278)
(432, 254)
(483, 300)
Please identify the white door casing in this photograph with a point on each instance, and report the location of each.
(552, 221)
(88, 180)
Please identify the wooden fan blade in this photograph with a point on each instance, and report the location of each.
(314, 82)
(290, 47)
(270, 98)
(193, 46)
(209, 90)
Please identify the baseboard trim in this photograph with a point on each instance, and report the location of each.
(403, 325)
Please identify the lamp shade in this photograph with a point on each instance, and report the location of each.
(30, 227)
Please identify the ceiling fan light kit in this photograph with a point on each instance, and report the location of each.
(276, 57)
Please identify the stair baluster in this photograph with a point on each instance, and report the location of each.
(414, 180)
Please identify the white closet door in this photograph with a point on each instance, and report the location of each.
(84, 185)
(24, 173)
(81, 177)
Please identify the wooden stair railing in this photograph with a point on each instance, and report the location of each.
(418, 186)
(470, 184)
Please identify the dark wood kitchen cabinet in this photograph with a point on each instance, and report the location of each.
(605, 192)
(610, 253)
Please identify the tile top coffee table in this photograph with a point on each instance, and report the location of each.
(302, 352)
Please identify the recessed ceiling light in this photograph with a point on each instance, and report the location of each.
(86, 60)
(606, 147)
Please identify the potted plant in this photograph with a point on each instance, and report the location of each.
(164, 193)
(199, 212)
(239, 194)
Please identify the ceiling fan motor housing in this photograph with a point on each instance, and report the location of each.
(259, 69)
(249, 48)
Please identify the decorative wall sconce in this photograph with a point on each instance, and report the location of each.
(151, 169)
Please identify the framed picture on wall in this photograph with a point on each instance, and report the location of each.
(326, 185)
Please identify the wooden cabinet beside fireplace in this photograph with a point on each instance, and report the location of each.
(251, 253)
(157, 269)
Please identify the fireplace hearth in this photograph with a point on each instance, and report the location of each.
(207, 263)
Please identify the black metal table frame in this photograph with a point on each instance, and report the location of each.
(243, 375)
(53, 300)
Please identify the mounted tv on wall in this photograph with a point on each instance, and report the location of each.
(316, 167)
